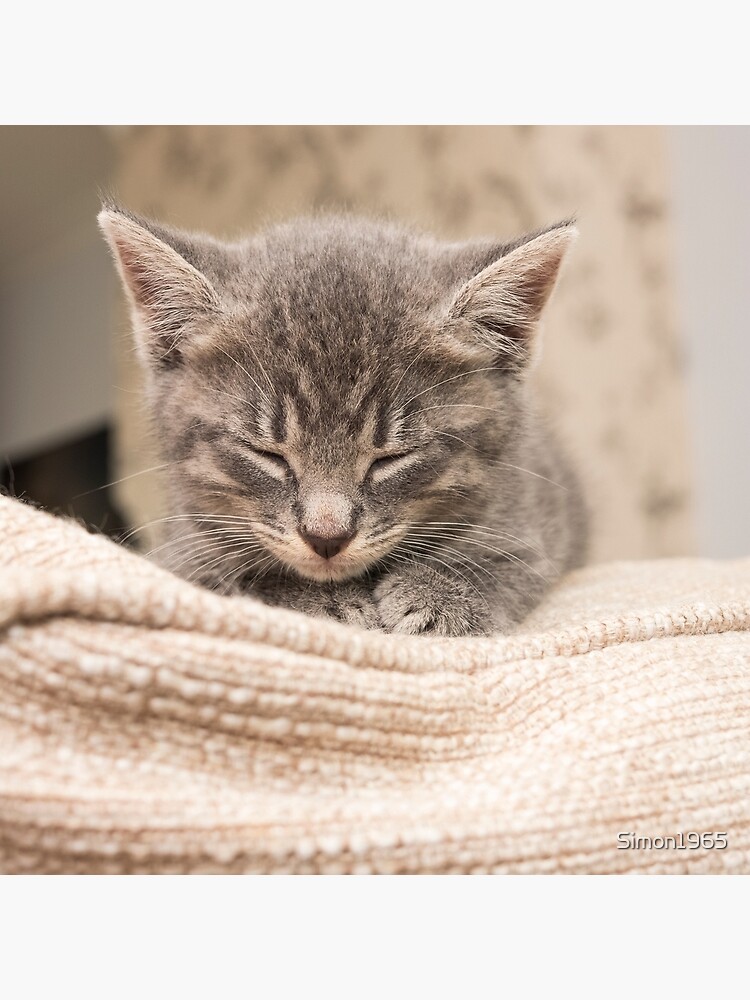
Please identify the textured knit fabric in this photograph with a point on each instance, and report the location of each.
(149, 726)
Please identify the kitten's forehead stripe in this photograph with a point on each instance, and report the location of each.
(301, 394)
(278, 422)
(361, 411)
(380, 432)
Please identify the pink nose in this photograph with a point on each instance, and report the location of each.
(327, 546)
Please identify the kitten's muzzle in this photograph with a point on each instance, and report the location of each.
(327, 546)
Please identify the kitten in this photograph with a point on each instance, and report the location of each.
(349, 427)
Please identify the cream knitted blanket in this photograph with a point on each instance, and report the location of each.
(148, 726)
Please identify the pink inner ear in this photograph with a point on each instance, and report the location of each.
(142, 281)
(164, 288)
(498, 309)
(534, 285)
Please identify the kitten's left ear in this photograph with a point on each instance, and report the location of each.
(167, 292)
(495, 314)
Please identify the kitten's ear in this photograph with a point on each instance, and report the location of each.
(167, 293)
(495, 314)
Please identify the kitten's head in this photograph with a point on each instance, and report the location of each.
(322, 388)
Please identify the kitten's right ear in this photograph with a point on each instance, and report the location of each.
(167, 294)
(495, 315)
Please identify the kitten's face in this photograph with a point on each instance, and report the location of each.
(330, 465)
(321, 391)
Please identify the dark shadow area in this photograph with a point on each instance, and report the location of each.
(68, 480)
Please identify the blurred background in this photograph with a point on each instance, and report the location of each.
(646, 355)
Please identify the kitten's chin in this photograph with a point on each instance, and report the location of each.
(329, 570)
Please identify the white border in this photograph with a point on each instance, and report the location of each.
(388, 63)
(225, 937)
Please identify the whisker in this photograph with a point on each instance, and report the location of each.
(263, 394)
(469, 564)
(482, 529)
(537, 475)
(252, 350)
(264, 566)
(124, 479)
(404, 373)
(212, 564)
(453, 569)
(218, 552)
(231, 395)
(189, 547)
(455, 437)
(512, 558)
(497, 461)
(445, 381)
(192, 517)
(453, 406)
(413, 558)
(506, 554)
(180, 541)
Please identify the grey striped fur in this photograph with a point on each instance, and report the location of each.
(343, 378)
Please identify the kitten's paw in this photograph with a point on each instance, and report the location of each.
(350, 603)
(423, 602)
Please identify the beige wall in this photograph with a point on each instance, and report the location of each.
(611, 372)
(56, 287)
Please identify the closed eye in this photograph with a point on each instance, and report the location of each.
(271, 457)
(389, 463)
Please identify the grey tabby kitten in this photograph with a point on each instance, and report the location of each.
(349, 428)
